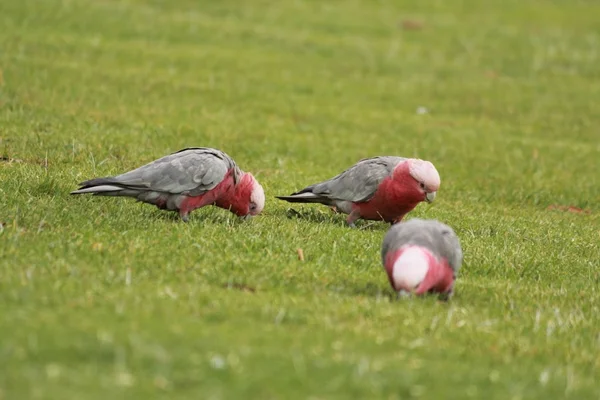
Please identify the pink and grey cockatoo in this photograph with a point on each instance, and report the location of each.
(421, 256)
(184, 181)
(379, 188)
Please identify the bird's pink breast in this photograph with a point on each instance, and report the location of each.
(392, 200)
(237, 199)
(222, 189)
(439, 278)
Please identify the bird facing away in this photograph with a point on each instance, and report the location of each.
(379, 188)
(184, 181)
(421, 256)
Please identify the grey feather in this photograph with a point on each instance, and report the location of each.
(188, 172)
(305, 197)
(356, 184)
(191, 171)
(97, 189)
(437, 237)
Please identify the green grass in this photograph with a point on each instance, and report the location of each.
(104, 298)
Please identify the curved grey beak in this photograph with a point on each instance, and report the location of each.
(430, 197)
(246, 217)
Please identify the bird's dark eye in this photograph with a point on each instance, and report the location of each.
(253, 206)
(422, 186)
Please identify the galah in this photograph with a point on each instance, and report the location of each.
(184, 181)
(421, 256)
(379, 188)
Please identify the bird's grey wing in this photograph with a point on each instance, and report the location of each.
(190, 171)
(444, 241)
(456, 260)
(388, 242)
(359, 182)
(452, 249)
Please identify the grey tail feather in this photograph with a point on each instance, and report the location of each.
(98, 186)
(306, 197)
(107, 190)
(308, 190)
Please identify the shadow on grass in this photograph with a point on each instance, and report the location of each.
(238, 286)
(49, 186)
(208, 215)
(387, 294)
(314, 215)
(319, 216)
(351, 289)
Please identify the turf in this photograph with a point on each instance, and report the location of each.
(104, 298)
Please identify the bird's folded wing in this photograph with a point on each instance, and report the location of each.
(190, 171)
(359, 182)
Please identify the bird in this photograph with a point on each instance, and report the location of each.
(422, 256)
(377, 188)
(183, 181)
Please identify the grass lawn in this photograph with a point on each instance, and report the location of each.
(108, 298)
